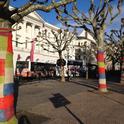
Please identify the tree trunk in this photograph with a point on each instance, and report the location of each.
(101, 60)
(7, 115)
(87, 74)
(113, 65)
(101, 71)
(122, 67)
(62, 74)
(122, 73)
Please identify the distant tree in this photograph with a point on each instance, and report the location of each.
(8, 17)
(112, 54)
(87, 53)
(95, 22)
(115, 48)
(59, 40)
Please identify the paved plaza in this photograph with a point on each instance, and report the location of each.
(74, 102)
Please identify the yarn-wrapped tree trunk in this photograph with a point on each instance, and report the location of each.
(94, 21)
(101, 70)
(9, 17)
(6, 78)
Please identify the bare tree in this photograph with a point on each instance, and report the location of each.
(59, 41)
(87, 53)
(115, 46)
(95, 22)
(113, 54)
(7, 19)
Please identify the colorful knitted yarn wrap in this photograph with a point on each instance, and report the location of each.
(101, 70)
(6, 79)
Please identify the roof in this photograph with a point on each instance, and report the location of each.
(34, 15)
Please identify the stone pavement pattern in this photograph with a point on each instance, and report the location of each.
(86, 106)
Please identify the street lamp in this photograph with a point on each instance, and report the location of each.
(67, 49)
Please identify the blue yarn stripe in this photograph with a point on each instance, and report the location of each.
(6, 114)
(102, 76)
(8, 89)
(100, 52)
(2, 116)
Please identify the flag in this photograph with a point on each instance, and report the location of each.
(32, 50)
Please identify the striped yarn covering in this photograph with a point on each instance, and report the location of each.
(101, 70)
(6, 79)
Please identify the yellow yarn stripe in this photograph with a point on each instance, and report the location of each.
(3, 43)
(9, 60)
(11, 121)
(101, 64)
(2, 79)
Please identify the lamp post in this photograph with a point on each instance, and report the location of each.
(86, 57)
(68, 71)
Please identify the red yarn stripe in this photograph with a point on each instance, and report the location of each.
(10, 49)
(102, 86)
(101, 70)
(100, 57)
(6, 102)
(2, 67)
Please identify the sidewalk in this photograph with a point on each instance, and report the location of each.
(93, 83)
(75, 102)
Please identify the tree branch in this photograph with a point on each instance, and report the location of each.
(30, 8)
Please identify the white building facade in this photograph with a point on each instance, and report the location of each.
(85, 48)
(26, 32)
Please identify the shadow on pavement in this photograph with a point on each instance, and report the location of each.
(111, 86)
(108, 97)
(30, 118)
(121, 91)
(87, 85)
(113, 76)
(24, 120)
(59, 100)
(79, 121)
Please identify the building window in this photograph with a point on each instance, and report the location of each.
(37, 30)
(44, 33)
(29, 29)
(48, 34)
(78, 54)
(78, 43)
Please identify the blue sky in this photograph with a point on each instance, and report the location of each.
(51, 16)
